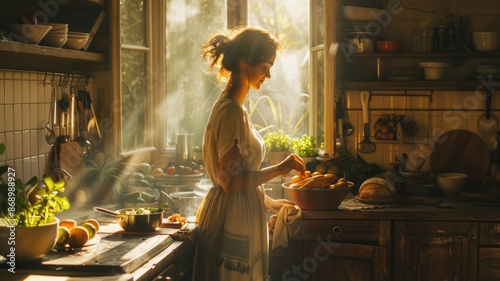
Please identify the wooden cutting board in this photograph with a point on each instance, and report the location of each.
(461, 151)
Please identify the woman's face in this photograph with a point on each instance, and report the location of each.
(257, 74)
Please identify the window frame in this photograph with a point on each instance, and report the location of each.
(156, 120)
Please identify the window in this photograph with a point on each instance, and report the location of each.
(181, 93)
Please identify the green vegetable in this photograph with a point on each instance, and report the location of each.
(277, 141)
(305, 146)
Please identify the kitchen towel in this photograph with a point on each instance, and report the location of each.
(287, 225)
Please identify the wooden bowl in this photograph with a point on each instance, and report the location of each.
(318, 199)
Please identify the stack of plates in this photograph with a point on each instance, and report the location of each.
(487, 70)
(404, 75)
(57, 36)
(76, 40)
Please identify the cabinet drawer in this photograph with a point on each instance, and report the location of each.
(489, 233)
(340, 230)
(489, 259)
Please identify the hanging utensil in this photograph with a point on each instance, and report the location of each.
(366, 146)
(93, 125)
(50, 136)
(488, 125)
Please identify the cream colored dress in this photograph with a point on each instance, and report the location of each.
(232, 242)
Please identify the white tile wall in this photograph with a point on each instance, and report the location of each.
(448, 110)
(24, 107)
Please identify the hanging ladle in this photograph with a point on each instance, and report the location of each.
(50, 136)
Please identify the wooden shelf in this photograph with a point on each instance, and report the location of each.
(427, 55)
(415, 85)
(15, 48)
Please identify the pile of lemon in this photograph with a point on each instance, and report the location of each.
(74, 235)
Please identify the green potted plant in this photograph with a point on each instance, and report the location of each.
(278, 145)
(101, 180)
(28, 214)
(305, 146)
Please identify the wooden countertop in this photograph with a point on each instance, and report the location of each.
(414, 208)
(147, 271)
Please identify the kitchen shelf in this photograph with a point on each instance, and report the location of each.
(416, 85)
(16, 48)
(427, 55)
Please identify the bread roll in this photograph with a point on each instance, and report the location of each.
(376, 188)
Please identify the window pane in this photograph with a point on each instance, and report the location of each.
(134, 90)
(132, 22)
(288, 89)
(190, 92)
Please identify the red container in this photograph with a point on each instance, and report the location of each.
(388, 46)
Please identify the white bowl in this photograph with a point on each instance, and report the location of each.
(78, 34)
(433, 70)
(57, 25)
(75, 43)
(486, 44)
(354, 13)
(485, 34)
(53, 41)
(452, 183)
(28, 33)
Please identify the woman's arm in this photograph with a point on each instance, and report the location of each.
(235, 179)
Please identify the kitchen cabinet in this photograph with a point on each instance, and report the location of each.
(369, 71)
(436, 251)
(336, 250)
(489, 251)
(23, 56)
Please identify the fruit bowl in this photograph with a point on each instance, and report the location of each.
(318, 199)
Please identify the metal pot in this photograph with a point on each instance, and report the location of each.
(360, 44)
(187, 203)
(136, 222)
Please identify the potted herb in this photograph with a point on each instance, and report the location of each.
(101, 180)
(278, 145)
(28, 214)
(305, 146)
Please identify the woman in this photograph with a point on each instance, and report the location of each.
(233, 237)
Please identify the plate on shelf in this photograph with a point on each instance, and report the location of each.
(377, 201)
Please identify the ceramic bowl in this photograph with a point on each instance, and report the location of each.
(56, 41)
(28, 33)
(452, 183)
(433, 70)
(75, 43)
(32, 243)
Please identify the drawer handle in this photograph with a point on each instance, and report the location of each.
(337, 230)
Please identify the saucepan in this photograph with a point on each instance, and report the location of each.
(135, 220)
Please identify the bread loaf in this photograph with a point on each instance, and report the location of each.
(376, 188)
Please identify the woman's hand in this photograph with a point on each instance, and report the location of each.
(292, 162)
(274, 205)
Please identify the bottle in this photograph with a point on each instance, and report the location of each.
(423, 41)
(435, 40)
(451, 34)
(442, 36)
(415, 41)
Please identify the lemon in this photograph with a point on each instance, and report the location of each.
(62, 236)
(94, 223)
(78, 236)
(90, 229)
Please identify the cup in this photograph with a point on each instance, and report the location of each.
(184, 148)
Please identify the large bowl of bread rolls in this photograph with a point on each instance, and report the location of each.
(377, 190)
(317, 192)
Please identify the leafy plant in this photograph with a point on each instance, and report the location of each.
(277, 141)
(105, 175)
(304, 146)
(268, 115)
(29, 204)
